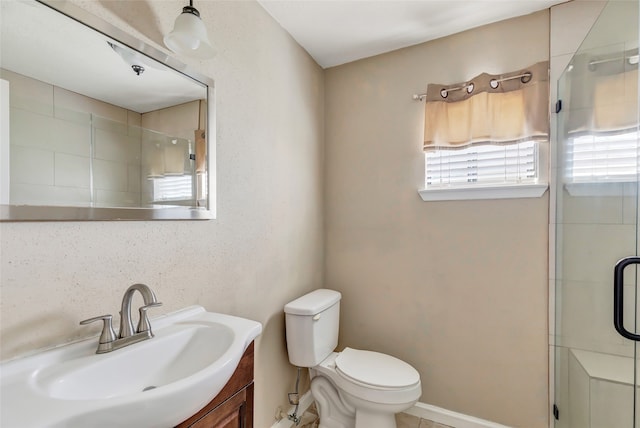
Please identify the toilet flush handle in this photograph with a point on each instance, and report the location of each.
(316, 317)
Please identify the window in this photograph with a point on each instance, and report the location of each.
(484, 165)
(172, 188)
(603, 158)
(487, 137)
(485, 172)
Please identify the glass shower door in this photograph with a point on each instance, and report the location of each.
(596, 367)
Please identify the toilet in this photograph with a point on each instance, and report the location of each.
(353, 388)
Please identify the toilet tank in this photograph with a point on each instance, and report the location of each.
(312, 323)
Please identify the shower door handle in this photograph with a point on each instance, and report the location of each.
(618, 296)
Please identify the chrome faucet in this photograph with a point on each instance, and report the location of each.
(108, 340)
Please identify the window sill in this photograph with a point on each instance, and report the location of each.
(602, 189)
(484, 192)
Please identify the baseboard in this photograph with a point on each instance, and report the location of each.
(420, 410)
(447, 417)
(305, 401)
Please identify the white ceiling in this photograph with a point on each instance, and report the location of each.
(38, 42)
(335, 32)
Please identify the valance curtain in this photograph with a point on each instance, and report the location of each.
(603, 96)
(474, 112)
(163, 155)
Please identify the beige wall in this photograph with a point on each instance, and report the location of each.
(458, 289)
(265, 247)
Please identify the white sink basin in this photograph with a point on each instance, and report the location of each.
(155, 383)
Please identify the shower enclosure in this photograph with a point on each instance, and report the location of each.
(596, 359)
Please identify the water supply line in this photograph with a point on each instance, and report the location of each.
(294, 399)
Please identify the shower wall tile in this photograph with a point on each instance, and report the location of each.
(68, 100)
(35, 130)
(587, 314)
(570, 23)
(177, 121)
(592, 209)
(556, 328)
(116, 146)
(553, 193)
(629, 309)
(578, 400)
(30, 129)
(134, 175)
(560, 357)
(120, 199)
(109, 125)
(109, 175)
(552, 250)
(134, 118)
(611, 404)
(557, 66)
(591, 250)
(29, 194)
(552, 307)
(71, 138)
(134, 122)
(619, 349)
(29, 94)
(559, 265)
(73, 116)
(77, 196)
(31, 165)
(630, 207)
(72, 171)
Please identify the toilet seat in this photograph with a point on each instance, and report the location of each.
(351, 386)
(375, 370)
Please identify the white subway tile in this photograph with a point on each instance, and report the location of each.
(72, 171)
(31, 165)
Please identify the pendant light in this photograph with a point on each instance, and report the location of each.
(189, 36)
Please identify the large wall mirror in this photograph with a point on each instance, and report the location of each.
(100, 125)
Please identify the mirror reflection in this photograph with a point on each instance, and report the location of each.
(94, 123)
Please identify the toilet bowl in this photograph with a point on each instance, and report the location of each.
(370, 387)
(353, 388)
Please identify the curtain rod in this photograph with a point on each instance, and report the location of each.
(524, 78)
(632, 60)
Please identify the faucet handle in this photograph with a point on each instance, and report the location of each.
(143, 323)
(108, 334)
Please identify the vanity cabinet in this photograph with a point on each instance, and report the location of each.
(233, 406)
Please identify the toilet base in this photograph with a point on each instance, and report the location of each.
(333, 411)
(378, 420)
(336, 411)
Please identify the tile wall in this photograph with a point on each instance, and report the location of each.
(51, 151)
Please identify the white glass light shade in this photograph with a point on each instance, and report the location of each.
(189, 37)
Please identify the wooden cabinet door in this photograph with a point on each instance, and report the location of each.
(230, 414)
(233, 406)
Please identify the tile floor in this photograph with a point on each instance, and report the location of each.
(310, 420)
(407, 421)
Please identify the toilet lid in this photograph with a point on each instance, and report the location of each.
(376, 369)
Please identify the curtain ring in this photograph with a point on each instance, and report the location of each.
(444, 93)
(526, 78)
(470, 87)
(494, 83)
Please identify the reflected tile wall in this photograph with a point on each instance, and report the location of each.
(51, 147)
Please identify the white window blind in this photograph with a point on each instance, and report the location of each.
(172, 188)
(603, 158)
(482, 165)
